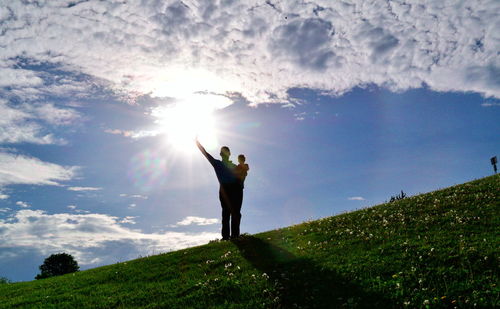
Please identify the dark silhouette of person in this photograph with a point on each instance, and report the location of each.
(241, 171)
(230, 191)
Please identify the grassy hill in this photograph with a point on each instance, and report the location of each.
(435, 250)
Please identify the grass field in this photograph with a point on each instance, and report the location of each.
(435, 250)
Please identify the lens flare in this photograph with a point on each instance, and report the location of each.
(147, 170)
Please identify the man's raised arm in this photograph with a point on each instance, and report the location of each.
(205, 153)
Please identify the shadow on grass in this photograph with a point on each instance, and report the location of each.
(304, 284)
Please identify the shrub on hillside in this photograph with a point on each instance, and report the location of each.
(4, 280)
(398, 197)
(56, 265)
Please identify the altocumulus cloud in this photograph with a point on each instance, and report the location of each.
(257, 48)
(92, 238)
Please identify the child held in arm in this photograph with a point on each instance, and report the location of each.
(241, 170)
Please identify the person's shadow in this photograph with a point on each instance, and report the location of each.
(304, 284)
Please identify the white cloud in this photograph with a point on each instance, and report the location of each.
(78, 189)
(18, 77)
(22, 204)
(139, 196)
(72, 207)
(87, 236)
(490, 104)
(28, 122)
(171, 49)
(3, 196)
(82, 211)
(52, 114)
(191, 220)
(133, 134)
(20, 169)
(5, 209)
(15, 127)
(356, 198)
(128, 219)
(131, 206)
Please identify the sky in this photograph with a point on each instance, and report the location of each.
(336, 105)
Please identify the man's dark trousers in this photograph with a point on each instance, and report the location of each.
(231, 197)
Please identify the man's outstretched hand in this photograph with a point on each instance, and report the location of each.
(204, 152)
(199, 145)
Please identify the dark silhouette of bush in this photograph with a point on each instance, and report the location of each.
(56, 265)
(397, 197)
(4, 280)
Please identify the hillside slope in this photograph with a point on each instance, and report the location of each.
(435, 250)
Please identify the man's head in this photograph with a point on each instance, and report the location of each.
(225, 152)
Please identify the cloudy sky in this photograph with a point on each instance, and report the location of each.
(336, 105)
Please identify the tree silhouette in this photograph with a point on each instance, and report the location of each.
(56, 265)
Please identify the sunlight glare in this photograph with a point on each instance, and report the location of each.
(185, 120)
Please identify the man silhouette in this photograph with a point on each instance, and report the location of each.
(230, 191)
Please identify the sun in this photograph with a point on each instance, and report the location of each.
(196, 94)
(184, 121)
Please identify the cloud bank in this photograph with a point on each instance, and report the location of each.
(87, 236)
(256, 48)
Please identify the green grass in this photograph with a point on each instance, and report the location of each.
(436, 250)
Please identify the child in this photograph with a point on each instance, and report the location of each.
(241, 170)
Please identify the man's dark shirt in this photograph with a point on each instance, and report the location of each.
(223, 170)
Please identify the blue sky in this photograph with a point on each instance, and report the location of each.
(336, 107)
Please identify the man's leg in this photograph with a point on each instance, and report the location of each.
(226, 213)
(236, 211)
